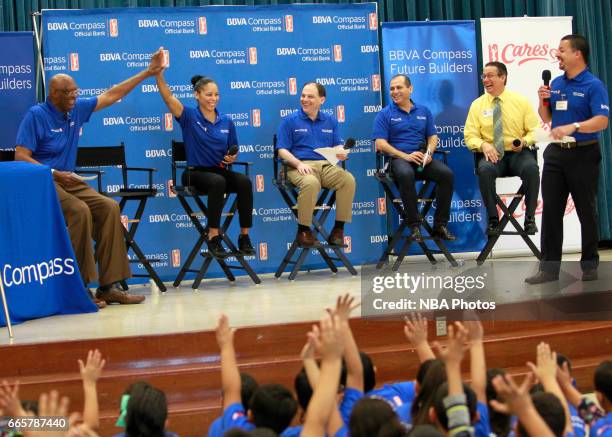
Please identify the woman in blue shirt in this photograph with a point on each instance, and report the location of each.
(208, 138)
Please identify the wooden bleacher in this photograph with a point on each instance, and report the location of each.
(186, 366)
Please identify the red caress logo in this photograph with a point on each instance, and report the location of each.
(288, 23)
(263, 251)
(74, 62)
(252, 55)
(375, 82)
(259, 183)
(340, 115)
(256, 118)
(292, 86)
(337, 53)
(382, 206)
(176, 257)
(202, 28)
(168, 123)
(113, 27)
(521, 53)
(170, 184)
(373, 21)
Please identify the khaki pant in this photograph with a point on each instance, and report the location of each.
(327, 176)
(90, 215)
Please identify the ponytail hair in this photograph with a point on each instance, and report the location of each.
(198, 81)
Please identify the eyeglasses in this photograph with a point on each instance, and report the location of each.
(489, 76)
(70, 93)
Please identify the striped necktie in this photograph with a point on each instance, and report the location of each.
(498, 128)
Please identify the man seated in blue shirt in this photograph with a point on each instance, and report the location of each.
(577, 104)
(405, 130)
(49, 135)
(299, 134)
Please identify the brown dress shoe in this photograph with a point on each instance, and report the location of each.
(541, 277)
(589, 275)
(116, 295)
(99, 303)
(336, 237)
(305, 238)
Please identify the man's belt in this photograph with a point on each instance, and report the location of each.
(574, 144)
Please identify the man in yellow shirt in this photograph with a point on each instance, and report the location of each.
(500, 129)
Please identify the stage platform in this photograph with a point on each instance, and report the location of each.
(278, 301)
(169, 341)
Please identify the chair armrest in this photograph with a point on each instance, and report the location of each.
(150, 170)
(98, 173)
(140, 169)
(246, 165)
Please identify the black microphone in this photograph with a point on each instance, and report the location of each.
(349, 143)
(517, 143)
(232, 150)
(425, 150)
(546, 78)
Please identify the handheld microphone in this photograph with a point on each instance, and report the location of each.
(232, 150)
(349, 143)
(423, 148)
(546, 78)
(517, 143)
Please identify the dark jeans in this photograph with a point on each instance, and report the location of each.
(575, 172)
(215, 182)
(523, 164)
(405, 175)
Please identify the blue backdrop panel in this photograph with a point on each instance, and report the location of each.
(39, 271)
(440, 59)
(17, 84)
(260, 57)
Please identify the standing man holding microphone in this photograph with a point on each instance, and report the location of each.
(578, 108)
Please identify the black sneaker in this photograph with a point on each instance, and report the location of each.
(492, 227)
(244, 245)
(441, 231)
(416, 234)
(215, 247)
(530, 226)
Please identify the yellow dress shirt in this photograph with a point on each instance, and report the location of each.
(518, 118)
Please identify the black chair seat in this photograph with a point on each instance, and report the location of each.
(184, 192)
(296, 254)
(114, 156)
(426, 202)
(507, 217)
(134, 192)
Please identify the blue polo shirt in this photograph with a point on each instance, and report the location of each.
(300, 135)
(53, 136)
(602, 427)
(399, 393)
(206, 143)
(405, 131)
(586, 97)
(234, 416)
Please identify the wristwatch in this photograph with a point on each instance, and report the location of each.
(577, 126)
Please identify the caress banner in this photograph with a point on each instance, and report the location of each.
(440, 60)
(17, 84)
(528, 46)
(260, 57)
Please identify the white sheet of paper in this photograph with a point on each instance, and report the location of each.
(330, 153)
(84, 178)
(543, 136)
